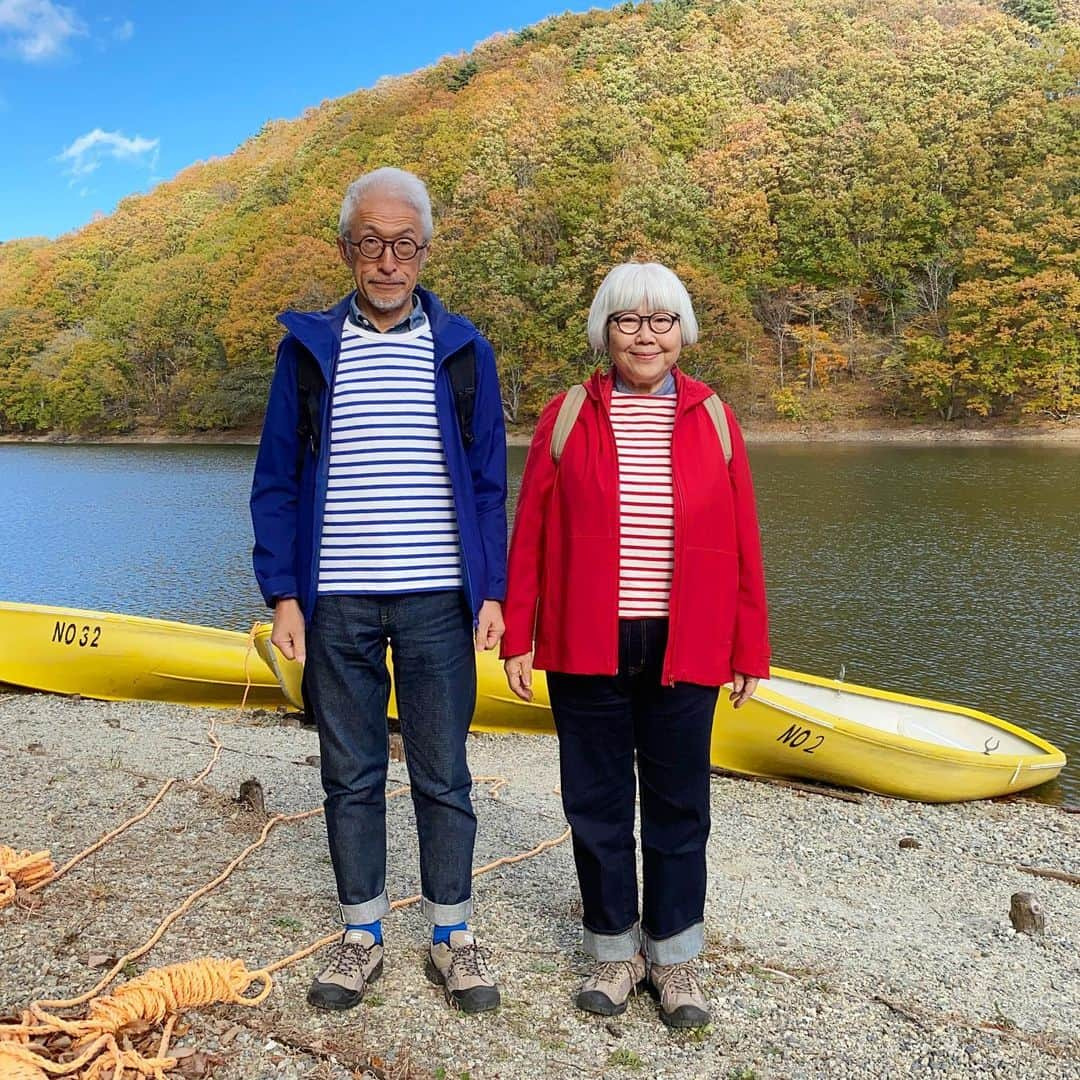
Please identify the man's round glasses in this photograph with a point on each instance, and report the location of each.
(629, 322)
(372, 247)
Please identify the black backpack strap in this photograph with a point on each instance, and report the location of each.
(461, 368)
(309, 387)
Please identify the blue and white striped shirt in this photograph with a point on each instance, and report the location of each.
(389, 524)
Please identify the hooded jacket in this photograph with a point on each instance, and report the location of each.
(563, 590)
(288, 493)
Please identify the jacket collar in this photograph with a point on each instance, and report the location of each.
(320, 331)
(688, 392)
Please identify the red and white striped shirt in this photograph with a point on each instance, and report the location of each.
(643, 424)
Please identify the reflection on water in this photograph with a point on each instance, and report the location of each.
(949, 572)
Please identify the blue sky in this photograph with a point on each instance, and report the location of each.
(102, 99)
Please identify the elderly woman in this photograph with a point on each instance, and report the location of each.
(636, 583)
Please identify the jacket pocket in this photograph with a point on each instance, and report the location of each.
(708, 589)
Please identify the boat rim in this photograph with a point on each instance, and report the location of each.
(921, 747)
(113, 616)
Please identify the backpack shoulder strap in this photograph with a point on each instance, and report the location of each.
(309, 384)
(718, 415)
(461, 368)
(567, 417)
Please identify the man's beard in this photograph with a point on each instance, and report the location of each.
(386, 303)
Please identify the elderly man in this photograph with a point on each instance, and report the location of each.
(379, 508)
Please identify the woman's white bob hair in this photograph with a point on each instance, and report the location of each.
(406, 186)
(629, 285)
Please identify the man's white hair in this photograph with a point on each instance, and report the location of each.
(629, 285)
(406, 186)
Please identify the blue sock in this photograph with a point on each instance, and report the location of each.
(440, 935)
(374, 928)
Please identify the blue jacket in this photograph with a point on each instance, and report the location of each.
(288, 493)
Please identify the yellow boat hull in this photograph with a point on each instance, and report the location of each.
(125, 657)
(784, 735)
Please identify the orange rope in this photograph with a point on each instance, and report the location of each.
(160, 995)
(39, 880)
(22, 870)
(18, 1064)
(157, 996)
(408, 901)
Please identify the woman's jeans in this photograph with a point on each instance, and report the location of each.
(347, 686)
(602, 722)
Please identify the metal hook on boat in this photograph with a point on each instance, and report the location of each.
(991, 744)
(843, 672)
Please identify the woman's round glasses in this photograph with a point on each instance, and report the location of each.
(629, 322)
(372, 247)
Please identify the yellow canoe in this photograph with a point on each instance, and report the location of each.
(799, 726)
(125, 657)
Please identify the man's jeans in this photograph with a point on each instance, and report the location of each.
(347, 685)
(602, 722)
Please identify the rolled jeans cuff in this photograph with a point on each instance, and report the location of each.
(446, 914)
(624, 946)
(367, 912)
(678, 948)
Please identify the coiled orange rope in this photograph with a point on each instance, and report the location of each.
(22, 870)
(13, 1067)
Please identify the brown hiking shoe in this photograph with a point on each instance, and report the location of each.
(461, 969)
(606, 990)
(682, 1002)
(355, 962)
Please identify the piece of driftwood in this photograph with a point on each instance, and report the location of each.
(397, 747)
(1037, 871)
(251, 796)
(811, 789)
(909, 842)
(1026, 913)
(900, 1010)
(1056, 875)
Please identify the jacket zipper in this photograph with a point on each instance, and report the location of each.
(472, 599)
(618, 527)
(666, 677)
(322, 477)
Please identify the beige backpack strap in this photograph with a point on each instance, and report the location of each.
(718, 415)
(564, 422)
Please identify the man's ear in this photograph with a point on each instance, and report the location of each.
(343, 251)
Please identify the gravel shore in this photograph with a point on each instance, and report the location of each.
(830, 951)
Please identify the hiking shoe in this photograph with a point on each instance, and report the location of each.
(609, 986)
(355, 962)
(682, 1002)
(461, 969)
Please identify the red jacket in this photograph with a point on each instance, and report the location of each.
(563, 580)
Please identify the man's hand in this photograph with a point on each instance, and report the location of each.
(519, 675)
(288, 633)
(742, 689)
(489, 625)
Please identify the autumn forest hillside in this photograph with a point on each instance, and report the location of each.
(873, 203)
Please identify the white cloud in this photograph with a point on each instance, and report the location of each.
(125, 31)
(38, 29)
(88, 151)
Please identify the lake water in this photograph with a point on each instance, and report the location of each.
(950, 572)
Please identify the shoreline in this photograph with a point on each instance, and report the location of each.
(762, 433)
(830, 949)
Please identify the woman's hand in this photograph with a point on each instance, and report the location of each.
(519, 675)
(743, 687)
